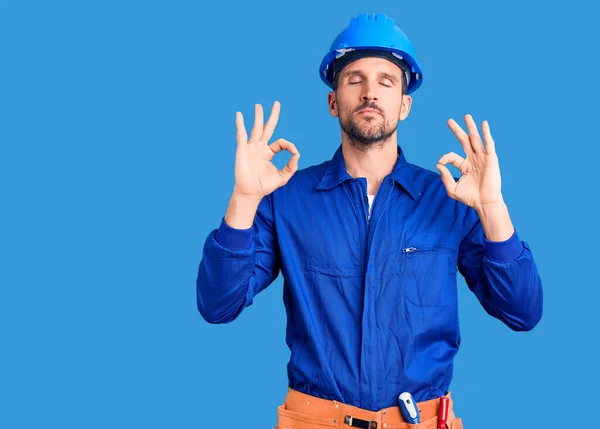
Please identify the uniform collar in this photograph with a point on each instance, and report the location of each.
(402, 174)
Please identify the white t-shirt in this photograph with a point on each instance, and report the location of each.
(370, 198)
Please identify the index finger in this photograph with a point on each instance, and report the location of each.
(283, 144)
(272, 122)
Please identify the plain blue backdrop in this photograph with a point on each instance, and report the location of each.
(117, 134)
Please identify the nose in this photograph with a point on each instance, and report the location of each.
(369, 92)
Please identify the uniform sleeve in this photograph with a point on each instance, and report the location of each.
(236, 265)
(503, 276)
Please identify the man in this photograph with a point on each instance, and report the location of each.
(368, 245)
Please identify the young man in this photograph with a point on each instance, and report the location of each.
(369, 246)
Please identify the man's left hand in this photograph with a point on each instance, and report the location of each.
(479, 185)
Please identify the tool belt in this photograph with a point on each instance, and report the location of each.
(302, 411)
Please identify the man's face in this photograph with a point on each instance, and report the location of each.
(374, 84)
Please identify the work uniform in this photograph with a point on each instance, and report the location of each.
(371, 301)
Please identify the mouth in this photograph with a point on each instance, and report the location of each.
(367, 111)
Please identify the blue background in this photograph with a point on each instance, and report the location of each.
(117, 133)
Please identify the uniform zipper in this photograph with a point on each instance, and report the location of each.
(416, 249)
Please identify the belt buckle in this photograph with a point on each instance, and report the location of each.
(359, 423)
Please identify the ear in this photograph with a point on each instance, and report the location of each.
(333, 105)
(405, 108)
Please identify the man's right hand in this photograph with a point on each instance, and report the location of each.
(255, 174)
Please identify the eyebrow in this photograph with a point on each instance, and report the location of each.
(380, 74)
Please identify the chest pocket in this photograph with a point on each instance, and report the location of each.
(430, 262)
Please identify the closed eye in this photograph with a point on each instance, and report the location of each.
(360, 81)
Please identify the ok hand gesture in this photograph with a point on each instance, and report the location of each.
(479, 185)
(255, 174)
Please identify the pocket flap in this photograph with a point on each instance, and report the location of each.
(427, 241)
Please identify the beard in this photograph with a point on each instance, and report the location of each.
(367, 134)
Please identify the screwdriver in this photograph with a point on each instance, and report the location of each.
(409, 409)
(443, 412)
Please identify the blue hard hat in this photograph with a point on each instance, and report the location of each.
(378, 32)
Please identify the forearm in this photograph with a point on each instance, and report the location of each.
(512, 291)
(237, 263)
(223, 281)
(495, 221)
(241, 211)
(502, 274)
